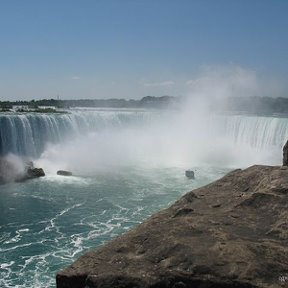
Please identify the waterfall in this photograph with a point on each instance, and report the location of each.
(254, 131)
(28, 134)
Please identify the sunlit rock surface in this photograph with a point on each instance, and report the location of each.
(231, 233)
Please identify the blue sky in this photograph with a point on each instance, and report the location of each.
(134, 48)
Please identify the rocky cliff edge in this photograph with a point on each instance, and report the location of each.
(230, 233)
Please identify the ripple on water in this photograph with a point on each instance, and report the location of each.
(56, 219)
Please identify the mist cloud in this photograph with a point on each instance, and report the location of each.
(220, 82)
(189, 136)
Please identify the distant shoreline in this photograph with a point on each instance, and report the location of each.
(253, 105)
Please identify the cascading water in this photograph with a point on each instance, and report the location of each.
(127, 164)
(30, 134)
(256, 132)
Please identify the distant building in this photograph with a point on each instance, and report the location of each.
(20, 108)
(47, 107)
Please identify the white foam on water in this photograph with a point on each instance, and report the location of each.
(24, 230)
(64, 180)
(18, 246)
(17, 237)
(52, 222)
(6, 265)
(59, 246)
(141, 153)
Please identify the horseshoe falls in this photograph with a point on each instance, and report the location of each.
(31, 134)
(28, 134)
(127, 164)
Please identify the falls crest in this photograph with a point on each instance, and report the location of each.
(28, 134)
(256, 132)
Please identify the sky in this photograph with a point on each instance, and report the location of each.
(76, 49)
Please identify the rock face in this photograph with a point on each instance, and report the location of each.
(231, 233)
(189, 174)
(31, 173)
(64, 173)
(285, 154)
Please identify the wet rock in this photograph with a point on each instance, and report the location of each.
(189, 174)
(241, 243)
(64, 173)
(35, 173)
(31, 173)
(285, 154)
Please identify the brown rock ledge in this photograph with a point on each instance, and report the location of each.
(230, 233)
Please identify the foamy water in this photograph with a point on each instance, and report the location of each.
(127, 164)
(45, 224)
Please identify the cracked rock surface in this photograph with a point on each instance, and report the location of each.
(230, 233)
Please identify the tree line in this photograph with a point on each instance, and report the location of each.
(145, 102)
(251, 105)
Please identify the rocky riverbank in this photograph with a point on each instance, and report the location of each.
(230, 233)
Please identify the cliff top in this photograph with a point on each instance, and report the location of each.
(230, 233)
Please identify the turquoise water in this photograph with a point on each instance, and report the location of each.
(128, 164)
(47, 223)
